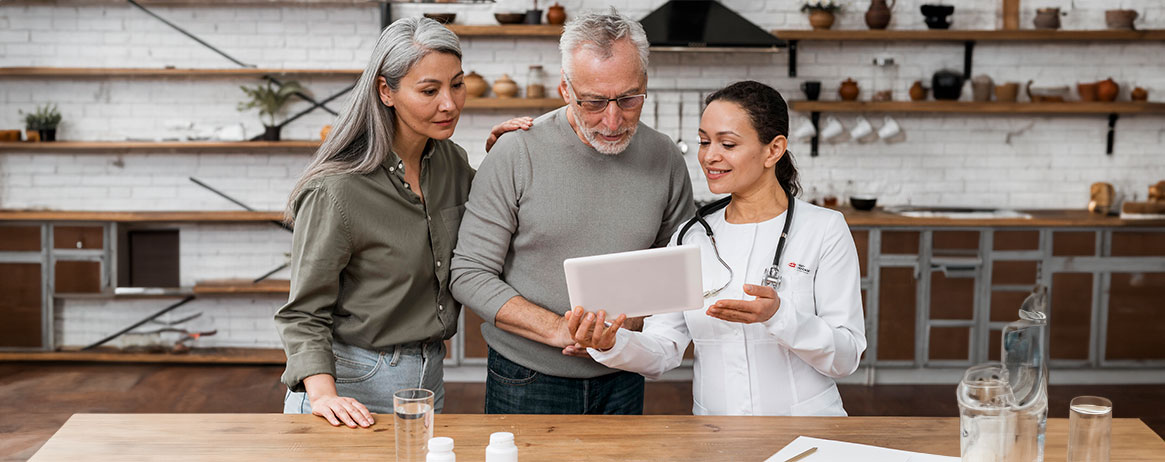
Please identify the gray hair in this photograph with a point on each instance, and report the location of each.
(598, 32)
(361, 136)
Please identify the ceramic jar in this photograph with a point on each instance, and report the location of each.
(475, 85)
(1106, 90)
(505, 87)
(981, 86)
(1120, 19)
(878, 16)
(849, 90)
(1047, 18)
(917, 91)
(947, 85)
(556, 14)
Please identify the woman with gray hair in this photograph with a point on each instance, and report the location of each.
(376, 216)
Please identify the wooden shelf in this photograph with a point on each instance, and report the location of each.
(506, 30)
(242, 287)
(514, 103)
(122, 72)
(169, 146)
(142, 217)
(197, 355)
(1122, 107)
(926, 35)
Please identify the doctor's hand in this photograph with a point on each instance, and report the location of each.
(760, 309)
(590, 330)
(522, 123)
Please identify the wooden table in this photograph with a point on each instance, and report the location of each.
(269, 437)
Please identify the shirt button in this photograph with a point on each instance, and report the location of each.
(440, 307)
(429, 217)
(392, 169)
(438, 264)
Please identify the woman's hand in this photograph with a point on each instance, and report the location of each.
(760, 309)
(590, 330)
(522, 123)
(321, 390)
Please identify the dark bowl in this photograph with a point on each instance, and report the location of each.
(938, 10)
(443, 18)
(510, 18)
(863, 203)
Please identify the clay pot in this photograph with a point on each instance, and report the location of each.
(1120, 19)
(475, 85)
(1101, 198)
(505, 87)
(556, 14)
(1047, 18)
(821, 19)
(1007, 93)
(917, 91)
(1106, 90)
(981, 86)
(31, 135)
(1087, 91)
(1139, 94)
(9, 136)
(849, 90)
(1010, 14)
(878, 16)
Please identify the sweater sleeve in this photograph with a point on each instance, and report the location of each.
(491, 219)
(832, 336)
(658, 349)
(321, 248)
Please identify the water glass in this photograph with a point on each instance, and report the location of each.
(413, 419)
(1089, 429)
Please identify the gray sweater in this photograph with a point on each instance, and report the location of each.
(542, 196)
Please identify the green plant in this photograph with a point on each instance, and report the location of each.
(269, 99)
(45, 117)
(829, 7)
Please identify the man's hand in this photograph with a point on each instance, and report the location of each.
(760, 309)
(590, 330)
(517, 123)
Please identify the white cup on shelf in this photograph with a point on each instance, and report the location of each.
(805, 131)
(890, 128)
(832, 128)
(862, 128)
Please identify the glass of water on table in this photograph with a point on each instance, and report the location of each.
(1089, 429)
(413, 420)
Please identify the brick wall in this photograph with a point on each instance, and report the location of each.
(1006, 161)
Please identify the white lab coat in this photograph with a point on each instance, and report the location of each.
(786, 365)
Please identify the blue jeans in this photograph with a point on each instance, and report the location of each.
(371, 377)
(513, 389)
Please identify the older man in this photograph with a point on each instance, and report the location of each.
(585, 179)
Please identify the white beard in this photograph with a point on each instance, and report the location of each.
(601, 145)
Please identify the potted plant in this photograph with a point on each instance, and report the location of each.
(821, 13)
(43, 123)
(269, 99)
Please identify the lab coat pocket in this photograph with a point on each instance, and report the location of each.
(826, 403)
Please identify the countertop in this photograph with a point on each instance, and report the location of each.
(266, 437)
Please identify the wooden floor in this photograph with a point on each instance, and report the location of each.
(37, 398)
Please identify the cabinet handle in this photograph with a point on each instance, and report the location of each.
(957, 271)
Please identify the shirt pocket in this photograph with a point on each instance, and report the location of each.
(451, 219)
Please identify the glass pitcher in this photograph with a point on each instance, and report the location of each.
(1003, 407)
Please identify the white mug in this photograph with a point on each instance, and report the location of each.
(805, 131)
(889, 128)
(832, 128)
(862, 129)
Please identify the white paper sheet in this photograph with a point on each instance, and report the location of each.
(829, 450)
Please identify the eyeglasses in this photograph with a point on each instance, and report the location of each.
(626, 103)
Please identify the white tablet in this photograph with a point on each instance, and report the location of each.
(637, 283)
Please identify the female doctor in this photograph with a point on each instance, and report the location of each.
(759, 350)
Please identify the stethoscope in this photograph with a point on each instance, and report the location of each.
(772, 274)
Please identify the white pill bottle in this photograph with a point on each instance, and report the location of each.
(501, 448)
(441, 450)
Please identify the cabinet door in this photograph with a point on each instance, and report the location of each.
(896, 314)
(1135, 330)
(21, 305)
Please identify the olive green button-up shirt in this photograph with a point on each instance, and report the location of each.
(370, 261)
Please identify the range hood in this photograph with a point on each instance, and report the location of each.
(704, 24)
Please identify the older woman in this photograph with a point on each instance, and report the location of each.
(782, 315)
(376, 216)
